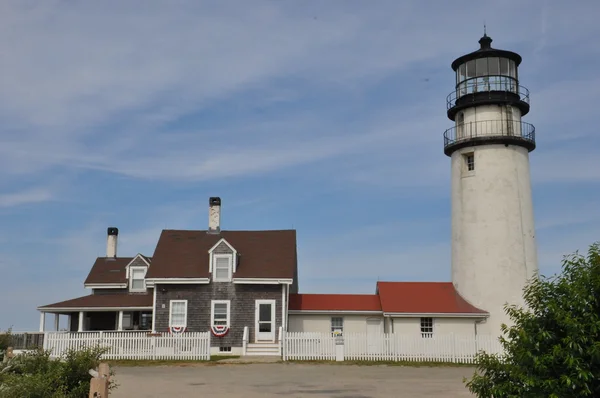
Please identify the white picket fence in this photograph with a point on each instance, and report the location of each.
(133, 345)
(387, 347)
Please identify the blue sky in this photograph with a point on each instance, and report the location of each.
(322, 116)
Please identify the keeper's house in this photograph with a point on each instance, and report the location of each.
(226, 281)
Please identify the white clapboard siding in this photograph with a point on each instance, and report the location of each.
(307, 346)
(389, 347)
(133, 345)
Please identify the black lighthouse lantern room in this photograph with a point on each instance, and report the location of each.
(487, 76)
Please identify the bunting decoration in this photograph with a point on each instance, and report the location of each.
(177, 329)
(219, 331)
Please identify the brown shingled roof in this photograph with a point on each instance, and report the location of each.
(105, 300)
(108, 270)
(263, 254)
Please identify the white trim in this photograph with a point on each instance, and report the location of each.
(90, 309)
(262, 281)
(80, 321)
(273, 304)
(210, 253)
(171, 311)
(153, 311)
(287, 310)
(178, 281)
(130, 280)
(435, 315)
(42, 322)
(105, 285)
(327, 312)
(229, 258)
(283, 306)
(120, 321)
(132, 260)
(212, 311)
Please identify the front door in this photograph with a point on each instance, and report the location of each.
(265, 321)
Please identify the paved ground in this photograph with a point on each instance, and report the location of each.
(292, 380)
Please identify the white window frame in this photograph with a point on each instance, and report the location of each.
(212, 311)
(333, 328)
(427, 334)
(229, 258)
(171, 312)
(131, 272)
(465, 166)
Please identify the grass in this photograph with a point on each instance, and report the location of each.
(216, 359)
(142, 362)
(412, 364)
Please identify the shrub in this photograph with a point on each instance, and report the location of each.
(35, 374)
(5, 340)
(553, 349)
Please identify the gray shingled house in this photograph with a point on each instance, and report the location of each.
(216, 280)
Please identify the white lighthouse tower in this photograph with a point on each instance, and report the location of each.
(493, 237)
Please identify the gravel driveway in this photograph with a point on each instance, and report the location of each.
(290, 379)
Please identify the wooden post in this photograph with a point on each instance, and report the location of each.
(99, 383)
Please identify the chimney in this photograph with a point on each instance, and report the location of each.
(111, 242)
(214, 215)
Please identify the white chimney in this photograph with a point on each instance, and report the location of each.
(111, 242)
(214, 214)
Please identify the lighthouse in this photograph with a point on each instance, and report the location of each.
(494, 250)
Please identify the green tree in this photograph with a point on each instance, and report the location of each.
(553, 347)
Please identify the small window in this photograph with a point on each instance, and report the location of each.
(337, 324)
(224, 349)
(222, 268)
(220, 313)
(470, 161)
(178, 313)
(137, 276)
(427, 327)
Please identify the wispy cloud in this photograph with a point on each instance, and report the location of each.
(24, 197)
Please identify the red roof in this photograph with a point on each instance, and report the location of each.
(423, 298)
(335, 302)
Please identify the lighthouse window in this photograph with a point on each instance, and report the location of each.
(462, 73)
(494, 66)
(481, 67)
(504, 67)
(511, 69)
(470, 161)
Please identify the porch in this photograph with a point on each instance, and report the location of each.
(98, 320)
(100, 312)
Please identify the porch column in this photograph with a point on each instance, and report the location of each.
(80, 326)
(56, 321)
(120, 324)
(42, 321)
(69, 322)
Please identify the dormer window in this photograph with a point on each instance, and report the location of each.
(222, 267)
(137, 281)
